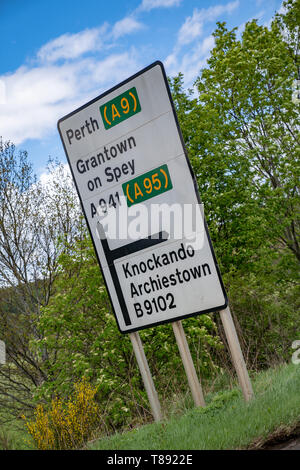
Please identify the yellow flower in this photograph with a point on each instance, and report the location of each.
(67, 424)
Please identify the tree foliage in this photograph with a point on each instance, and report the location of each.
(34, 216)
(242, 136)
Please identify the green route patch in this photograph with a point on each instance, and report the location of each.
(148, 185)
(120, 108)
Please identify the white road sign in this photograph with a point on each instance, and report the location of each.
(137, 191)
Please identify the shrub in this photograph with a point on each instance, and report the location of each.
(67, 424)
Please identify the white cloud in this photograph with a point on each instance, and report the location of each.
(207, 45)
(67, 72)
(71, 46)
(171, 62)
(37, 97)
(48, 179)
(74, 68)
(191, 28)
(192, 61)
(190, 52)
(193, 25)
(282, 10)
(148, 5)
(126, 26)
(114, 68)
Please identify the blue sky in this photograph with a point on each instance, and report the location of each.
(57, 55)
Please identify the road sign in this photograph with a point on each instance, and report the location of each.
(126, 153)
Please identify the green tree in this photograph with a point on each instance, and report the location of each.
(242, 136)
(34, 215)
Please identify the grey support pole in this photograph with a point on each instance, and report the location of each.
(236, 353)
(146, 375)
(2, 352)
(188, 364)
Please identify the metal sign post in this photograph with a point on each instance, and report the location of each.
(236, 353)
(2, 352)
(146, 375)
(188, 364)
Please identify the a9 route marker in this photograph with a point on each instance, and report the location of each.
(120, 108)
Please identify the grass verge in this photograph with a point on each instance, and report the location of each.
(227, 422)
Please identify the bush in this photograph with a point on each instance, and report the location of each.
(67, 424)
(266, 313)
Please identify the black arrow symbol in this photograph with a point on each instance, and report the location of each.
(130, 248)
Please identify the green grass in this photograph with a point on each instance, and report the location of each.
(13, 434)
(14, 437)
(227, 422)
